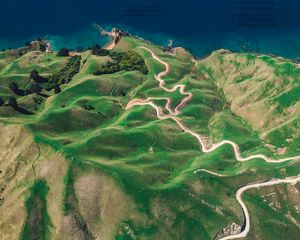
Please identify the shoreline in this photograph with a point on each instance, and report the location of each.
(110, 45)
(114, 39)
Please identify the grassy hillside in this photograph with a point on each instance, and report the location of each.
(96, 170)
(263, 91)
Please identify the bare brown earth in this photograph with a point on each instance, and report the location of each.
(101, 202)
(17, 152)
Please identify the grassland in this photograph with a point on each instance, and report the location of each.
(96, 170)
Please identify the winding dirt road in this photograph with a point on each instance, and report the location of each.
(174, 116)
(239, 193)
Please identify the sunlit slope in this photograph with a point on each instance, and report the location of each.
(110, 173)
(264, 91)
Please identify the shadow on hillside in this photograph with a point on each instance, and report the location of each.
(22, 111)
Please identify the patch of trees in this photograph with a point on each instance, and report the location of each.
(43, 47)
(63, 52)
(34, 75)
(128, 61)
(16, 90)
(12, 102)
(57, 89)
(97, 50)
(34, 88)
(39, 83)
(65, 75)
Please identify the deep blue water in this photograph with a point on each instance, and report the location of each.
(269, 26)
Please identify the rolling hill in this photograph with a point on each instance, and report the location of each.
(76, 163)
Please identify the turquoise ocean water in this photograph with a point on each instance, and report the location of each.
(262, 26)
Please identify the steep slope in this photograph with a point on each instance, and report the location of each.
(264, 91)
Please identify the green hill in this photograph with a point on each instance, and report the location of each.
(76, 165)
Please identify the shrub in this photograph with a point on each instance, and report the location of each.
(26, 92)
(34, 75)
(64, 52)
(1, 101)
(34, 88)
(97, 50)
(13, 87)
(12, 102)
(42, 47)
(57, 89)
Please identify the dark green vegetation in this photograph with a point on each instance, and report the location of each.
(70, 204)
(65, 75)
(64, 52)
(38, 88)
(128, 61)
(98, 51)
(130, 175)
(37, 224)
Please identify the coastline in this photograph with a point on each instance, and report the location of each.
(113, 41)
(199, 49)
(110, 45)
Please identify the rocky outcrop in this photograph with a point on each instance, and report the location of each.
(229, 230)
(116, 34)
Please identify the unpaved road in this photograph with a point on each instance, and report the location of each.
(174, 116)
(239, 193)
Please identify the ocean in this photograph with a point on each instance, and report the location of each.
(262, 26)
